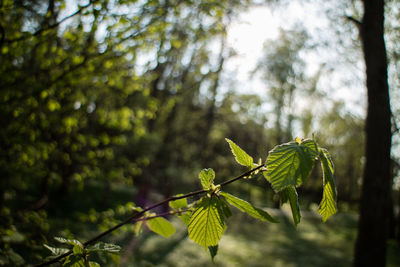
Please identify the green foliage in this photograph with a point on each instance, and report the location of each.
(290, 164)
(240, 155)
(178, 204)
(289, 194)
(206, 224)
(327, 207)
(181, 207)
(287, 167)
(161, 226)
(80, 254)
(248, 208)
(80, 107)
(104, 247)
(207, 177)
(72, 242)
(56, 251)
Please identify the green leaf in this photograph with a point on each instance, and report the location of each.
(105, 247)
(327, 207)
(56, 251)
(248, 208)
(161, 226)
(240, 155)
(185, 217)
(213, 251)
(289, 194)
(207, 178)
(206, 224)
(290, 164)
(178, 204)
(138, 227)
(94, 264)
(225, 208)
(77, 249)
(115, 259)
(72, 242)
(74, 261)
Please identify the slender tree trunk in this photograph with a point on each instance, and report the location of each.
(370, 247)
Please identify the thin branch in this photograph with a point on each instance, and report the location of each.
(162, 215)
(242, 175)
(49, 27)
(134, 217)
(355, 21)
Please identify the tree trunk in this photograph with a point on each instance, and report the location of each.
(370, 247)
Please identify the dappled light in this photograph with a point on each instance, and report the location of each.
(199, 133)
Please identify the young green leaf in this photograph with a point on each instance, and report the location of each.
(207, 178)
(311, 148)
(290, 164)
(56, 251)
(327, 207)
(115, 259)
(138, 227)
(105, 247)
(289, 194)
(72, 242)
(248, 208)
(161, 226)
(185, 217)
(78, 249)
(94, 264)
(178, 204)
(74, 261)
(206, 224)
(310, 154)
(240, 155)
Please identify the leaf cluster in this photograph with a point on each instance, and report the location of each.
(77, 255)
(286, 168)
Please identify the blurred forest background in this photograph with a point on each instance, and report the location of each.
(106, 104)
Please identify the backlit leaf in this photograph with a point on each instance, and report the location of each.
(289, 194)
(138, 227)
(327, 207)
(206, 224)
(180, 203)
(290, 164)
(185, 217)
(240, 155)
(207, 178)
(161, 226)
(248, 208)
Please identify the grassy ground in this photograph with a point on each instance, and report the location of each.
(248, 242)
